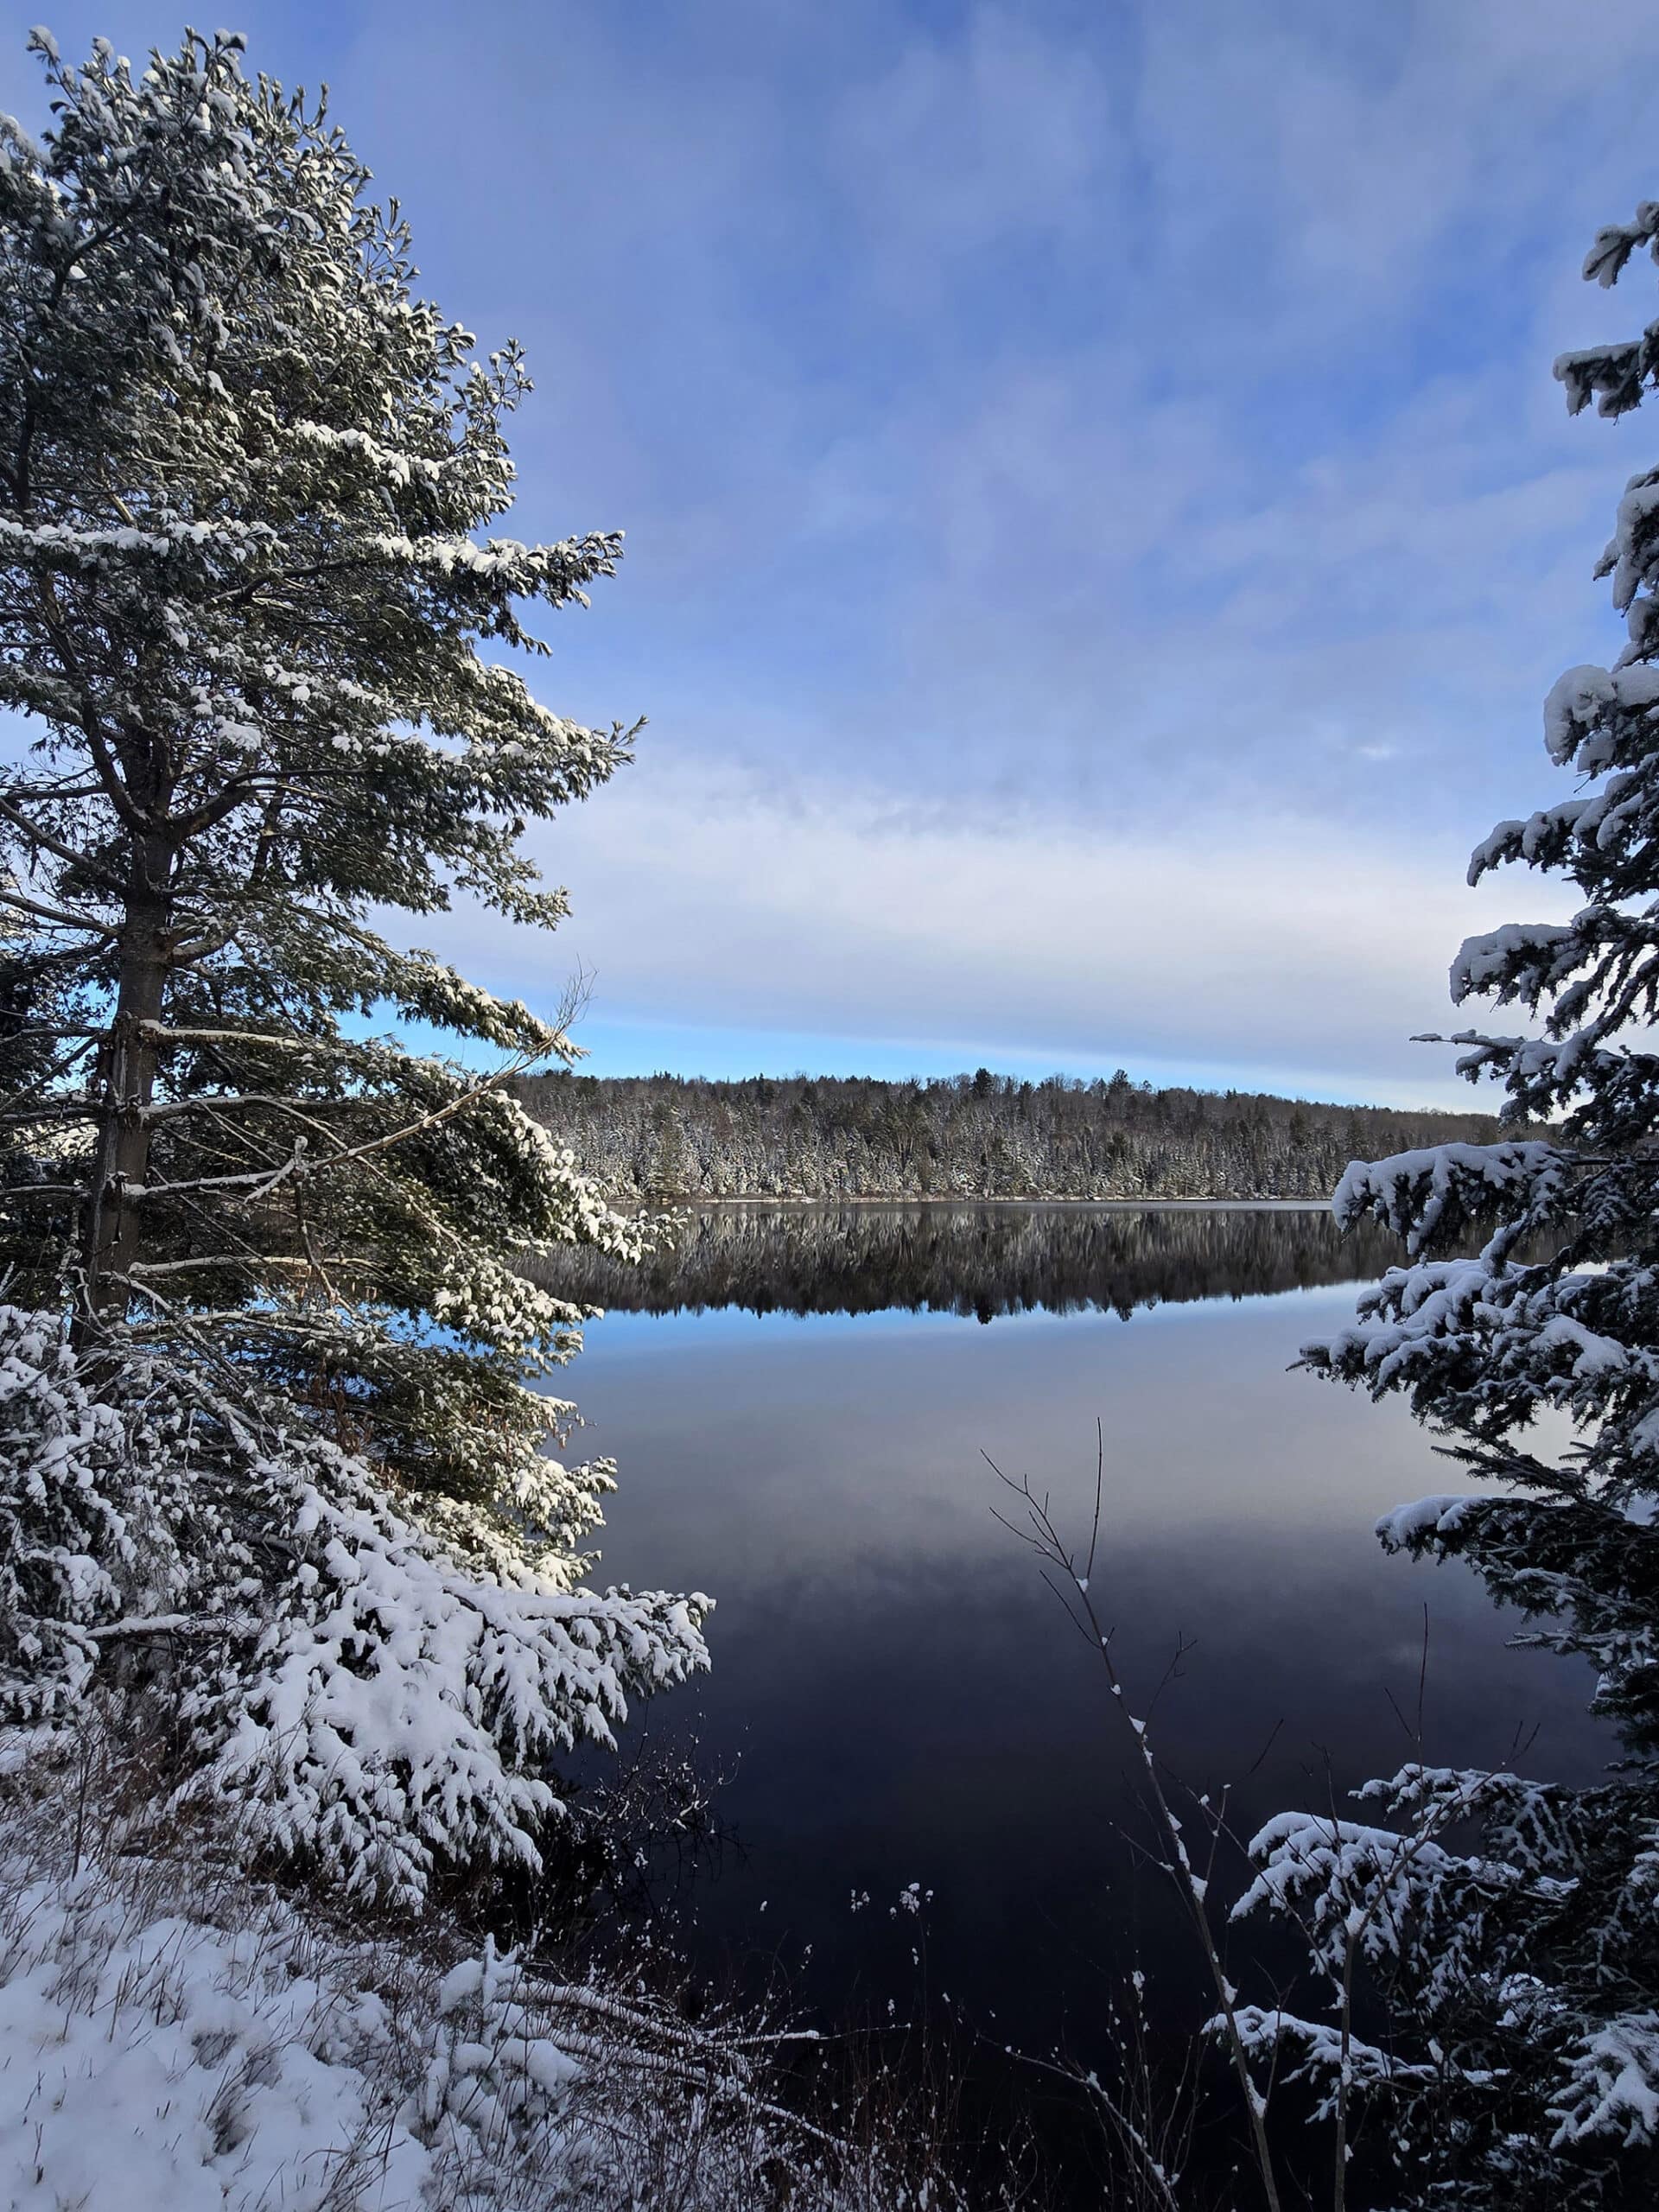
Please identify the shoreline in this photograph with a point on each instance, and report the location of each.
(691, 1204)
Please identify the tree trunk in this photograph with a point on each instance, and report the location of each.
(126, 1083)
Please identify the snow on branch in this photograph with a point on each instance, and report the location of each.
(1439, 1191)
(1612, 2086)
(400, 1713)
(372, 1708)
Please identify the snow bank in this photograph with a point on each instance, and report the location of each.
(171, 2054)
(175, 2037)
(179, 2066)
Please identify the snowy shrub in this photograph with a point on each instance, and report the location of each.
(398, 1712)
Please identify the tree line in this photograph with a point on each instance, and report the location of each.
(980, 1135)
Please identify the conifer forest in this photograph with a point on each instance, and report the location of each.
(984, 1136)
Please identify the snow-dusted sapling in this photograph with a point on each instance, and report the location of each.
(268, 1382)
(1511, 1925)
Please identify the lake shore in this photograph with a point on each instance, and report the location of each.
(685, 1203)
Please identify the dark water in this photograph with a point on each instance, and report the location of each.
(897, 1696)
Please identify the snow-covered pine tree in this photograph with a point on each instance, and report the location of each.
(1522, 1972)
(268, 1377)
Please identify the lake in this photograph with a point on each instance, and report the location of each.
(801, 1403)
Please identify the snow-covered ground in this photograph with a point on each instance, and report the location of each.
(175, 2037)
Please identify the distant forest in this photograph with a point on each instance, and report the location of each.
(981, 1136)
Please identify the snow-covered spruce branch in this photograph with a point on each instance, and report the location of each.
(1362, 1898)
(1522, 1970)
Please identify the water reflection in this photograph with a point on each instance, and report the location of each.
(977, 1260)
(901, 1695)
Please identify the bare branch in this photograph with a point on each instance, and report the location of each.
(54, 916)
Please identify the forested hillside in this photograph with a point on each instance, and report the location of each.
(982, 1135)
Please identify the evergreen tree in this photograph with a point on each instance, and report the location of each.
(263, 650)
(1522, 1971)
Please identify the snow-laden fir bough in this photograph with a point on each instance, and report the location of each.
(1507, 1931)
(273, 1447)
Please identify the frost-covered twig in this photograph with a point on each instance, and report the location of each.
(1075, 1591)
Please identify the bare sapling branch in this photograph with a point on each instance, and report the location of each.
(1073, 1584)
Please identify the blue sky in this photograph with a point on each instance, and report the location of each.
(1100, 522)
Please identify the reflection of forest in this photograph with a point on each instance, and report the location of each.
(968, 1258)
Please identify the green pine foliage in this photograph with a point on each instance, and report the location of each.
(266, 662)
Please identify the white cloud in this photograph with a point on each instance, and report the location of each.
(1271, 947)
(1000, 132)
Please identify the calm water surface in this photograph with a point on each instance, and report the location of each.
(896, 1697)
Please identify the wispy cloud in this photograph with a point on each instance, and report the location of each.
(1108, 454)
(1283, 953)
